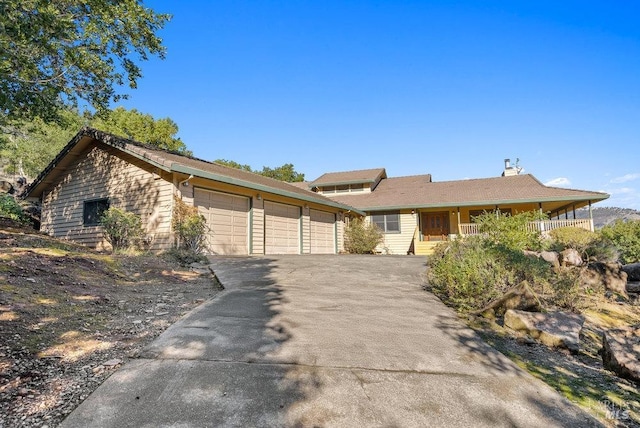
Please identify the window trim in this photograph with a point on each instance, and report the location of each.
(96, 201)
(385, 222)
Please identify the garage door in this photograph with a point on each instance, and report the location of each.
(227, 218)
(281, 228)
(322, 232)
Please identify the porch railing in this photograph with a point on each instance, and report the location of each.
(541, 226)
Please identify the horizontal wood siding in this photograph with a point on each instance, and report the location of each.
(257, 226)
(399, 243)
(128, 183)
(340, 233)
(306, 231)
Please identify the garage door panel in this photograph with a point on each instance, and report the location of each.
(322, 233)
(282, 228)
(227, 218)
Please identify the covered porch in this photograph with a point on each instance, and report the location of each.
(437, 225)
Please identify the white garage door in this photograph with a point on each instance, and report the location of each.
(322, 232)
(227, 219)
(281, 228)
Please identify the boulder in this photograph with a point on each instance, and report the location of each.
(519, 297)
(621, 351)
(633, 287)
(551, 257)
(571, 257)
(610, 275)
(555, 329)
(633, 271)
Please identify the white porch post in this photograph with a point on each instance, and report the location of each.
(591, 218)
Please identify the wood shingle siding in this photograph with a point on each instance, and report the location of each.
(127, 183)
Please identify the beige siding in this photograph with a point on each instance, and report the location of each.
(128, 184)
(306, 231)
(399, 243)
(340, 233)
(257, 228)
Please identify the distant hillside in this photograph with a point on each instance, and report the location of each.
(605, 215)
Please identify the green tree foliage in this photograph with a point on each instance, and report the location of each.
(625, 236)
(61, 53)
(234, 164)
(285, 172)
(141, 127)
(361, 237)
(122, 229)
(30, 145)
(9, 208)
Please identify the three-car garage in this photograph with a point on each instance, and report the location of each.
(230, 222)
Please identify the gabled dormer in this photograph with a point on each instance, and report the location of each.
(339, 183)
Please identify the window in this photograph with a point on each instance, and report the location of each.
(329, 189)
(388, 222)
(93, 210)
(343, 188)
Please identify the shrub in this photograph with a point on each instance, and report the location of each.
(625, 236)
(185, 257)
(511, 231)
(361, 237)
(122, 229)
(464, 275)
(9, 208)
(590, 245)
(190, 227)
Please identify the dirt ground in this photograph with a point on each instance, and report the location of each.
(70, 316)
(581, 376)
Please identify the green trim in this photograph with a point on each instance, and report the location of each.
(593, 197)
(247, 184)
(338, 183)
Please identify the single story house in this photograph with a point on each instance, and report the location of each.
(246, 213)
(414, 212)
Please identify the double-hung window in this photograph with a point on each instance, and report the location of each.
(387, 222)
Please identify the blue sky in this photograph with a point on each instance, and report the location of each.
(450, 88)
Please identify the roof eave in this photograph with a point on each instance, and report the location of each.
(262, 188)
(593, 198)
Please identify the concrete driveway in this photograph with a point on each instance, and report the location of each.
(322, 341)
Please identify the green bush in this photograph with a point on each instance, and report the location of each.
(461, 273)
(511, 231)
(469, 273)
(625, 236)
(122, 229)
(190, 227)
(361, 237)
(185, 257)
(9, 208)
(590, 245)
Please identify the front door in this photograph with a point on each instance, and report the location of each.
(435, 226)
